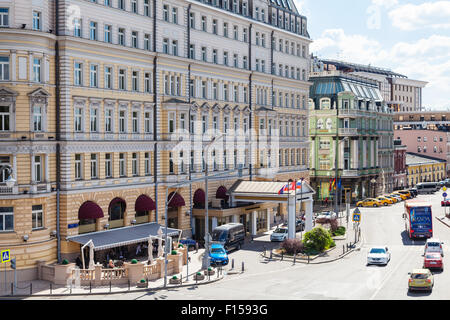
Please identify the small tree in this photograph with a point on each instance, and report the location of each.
(318, 239)
(292, 246)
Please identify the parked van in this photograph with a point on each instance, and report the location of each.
(426, 187)
(231, 235)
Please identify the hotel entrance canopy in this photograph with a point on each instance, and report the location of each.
(269, 191)
(123, 236)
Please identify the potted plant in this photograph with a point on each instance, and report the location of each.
(65, 261)
(209, 271)
(142, 283)
(199, 276)
(134, 261)
(174, 280)
(180, 245)
(174, 252)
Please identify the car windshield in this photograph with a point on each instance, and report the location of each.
(280, 230)
(419, 276)
(219, 235)
(433, 244)
(377, 250)
(217, 250)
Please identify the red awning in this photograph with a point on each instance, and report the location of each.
(177, 201)
(144, 203)
(222, 193)
(90, 210)
(199, 197)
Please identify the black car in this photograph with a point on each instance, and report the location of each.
(414, 192)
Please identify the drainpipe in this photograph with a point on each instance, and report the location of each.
(155, 110)
(250, 91)
(58, 133)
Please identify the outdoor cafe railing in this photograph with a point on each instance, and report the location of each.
(114, 274)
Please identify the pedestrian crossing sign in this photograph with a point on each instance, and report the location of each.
(5, 255)
(356, 217)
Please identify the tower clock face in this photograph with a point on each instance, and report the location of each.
(329, 124)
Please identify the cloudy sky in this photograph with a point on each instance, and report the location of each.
(411, 37)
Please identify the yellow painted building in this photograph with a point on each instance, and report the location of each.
(424, 169)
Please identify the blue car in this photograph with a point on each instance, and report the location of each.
(217, 254)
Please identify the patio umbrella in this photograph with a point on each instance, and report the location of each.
(160, 249)
(91, 256)
(150, 249)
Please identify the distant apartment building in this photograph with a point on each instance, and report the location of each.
(399, 92)
(400, 179)
(426, 133)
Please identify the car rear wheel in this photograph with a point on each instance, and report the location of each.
(375, 205)
(385, 204)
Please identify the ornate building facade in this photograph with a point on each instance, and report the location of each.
(94, 99)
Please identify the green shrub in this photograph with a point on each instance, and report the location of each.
(174, 277)
(134, 261)
(65, 261)
(180, 245)
(340, 231)
(174, 252)
(143, 281)
(318, 240)
(199, 273)
(209, 268)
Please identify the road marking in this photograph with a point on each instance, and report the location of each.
(389, 275)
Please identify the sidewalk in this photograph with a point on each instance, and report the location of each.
(445, 220)
(45, 288)
(335, 253)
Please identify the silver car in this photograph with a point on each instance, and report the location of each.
(280, 234)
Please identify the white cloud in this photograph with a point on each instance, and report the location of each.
(385, 3)
(427, 59)
(409, 17)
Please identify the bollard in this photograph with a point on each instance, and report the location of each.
(70, 288)
(295, 256)
(343, 249)
(128, 284)
(218, 271)
(196, 247)
(271, 254)
(209, 276)
(146, 280)
(243, 266)
(181, 279)
(264, 251)
(12, 288)
(51, 288)
(282, 255)
(308, 258)
(90, 287)
(110, 286)
(232, 263)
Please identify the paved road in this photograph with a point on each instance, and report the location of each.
(348, 278)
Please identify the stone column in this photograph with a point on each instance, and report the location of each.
(254, 227)
(308, 215)
(235, 218)
(213, 224)
(291, 217)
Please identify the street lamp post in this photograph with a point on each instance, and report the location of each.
(205, 261)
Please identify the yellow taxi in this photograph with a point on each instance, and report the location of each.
(403, 196)
(420, 279)
(394, 199)
(405, 192)
(385, 201)
(369, 202)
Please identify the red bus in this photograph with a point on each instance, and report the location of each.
(418, 219)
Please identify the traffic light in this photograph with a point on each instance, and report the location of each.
(13, 263)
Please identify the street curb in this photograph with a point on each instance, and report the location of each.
(326, 261)
(442, 221)
(114, 292)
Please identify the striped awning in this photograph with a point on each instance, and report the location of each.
(123, 236)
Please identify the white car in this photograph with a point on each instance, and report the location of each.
(327, 215)
(434, 245)
(279, 234)
(378, 255)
